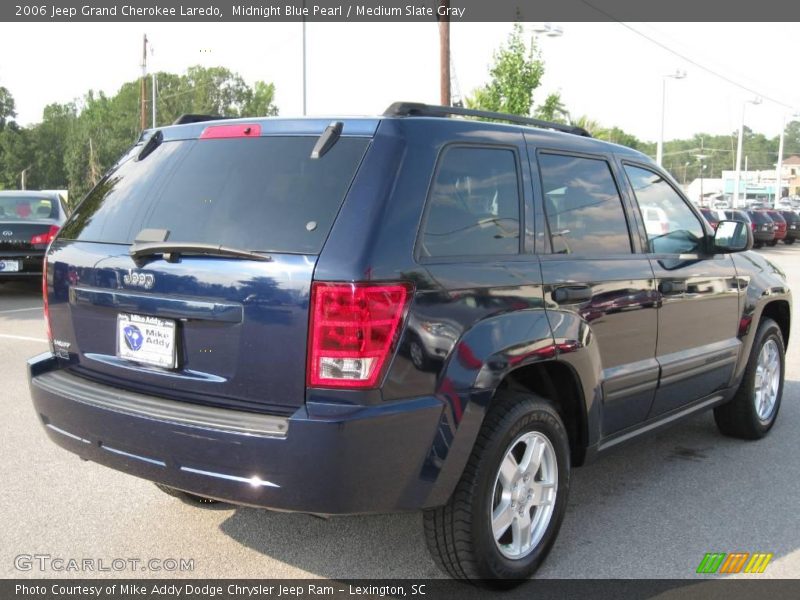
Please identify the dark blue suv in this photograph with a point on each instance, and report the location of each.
(398, 313)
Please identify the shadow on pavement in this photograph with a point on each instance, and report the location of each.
(649, 509)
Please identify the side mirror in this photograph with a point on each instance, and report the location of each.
(733, 236)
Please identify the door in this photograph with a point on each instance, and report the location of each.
(698, 295)
(594, 281)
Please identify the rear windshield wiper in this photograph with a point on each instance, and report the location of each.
(172, 251)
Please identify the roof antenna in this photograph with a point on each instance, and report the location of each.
(327, 140)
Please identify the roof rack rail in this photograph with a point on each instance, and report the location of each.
(417, 109)
(188, 118)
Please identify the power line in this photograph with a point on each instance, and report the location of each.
(687, 59)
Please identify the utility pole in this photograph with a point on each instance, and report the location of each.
(143, 87)
(444, 54)
(305, 105)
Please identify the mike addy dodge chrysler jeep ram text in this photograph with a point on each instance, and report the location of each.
(406, 312)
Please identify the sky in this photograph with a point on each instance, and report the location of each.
(612, 72)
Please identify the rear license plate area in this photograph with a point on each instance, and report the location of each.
(147, 340)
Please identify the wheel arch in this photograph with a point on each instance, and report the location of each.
(780, 312)
(558, 382)
(516, 350)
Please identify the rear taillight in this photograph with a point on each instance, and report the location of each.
(45, 238)
(753, 226)
(46, 303)
(353, 332)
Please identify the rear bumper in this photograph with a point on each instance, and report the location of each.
(325, 459)
(30, 263)
(763, 236)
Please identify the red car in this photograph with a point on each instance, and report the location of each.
(780, 226)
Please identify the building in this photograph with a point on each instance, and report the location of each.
(790, 176)
(705, 191)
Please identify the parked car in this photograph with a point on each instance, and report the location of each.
(28, 222)
(792, 226)
(228, 311)
(762, 226)
(779, 226)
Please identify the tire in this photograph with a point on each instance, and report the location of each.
(773, 243)
(789, 241)
(419, 358)
(758, 245)
(460, 534)
(753, 410)
(185, 496)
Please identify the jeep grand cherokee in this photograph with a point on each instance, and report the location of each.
(406, 312)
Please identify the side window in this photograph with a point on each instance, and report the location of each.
(672, 227)
(583, 207)
(473, 209)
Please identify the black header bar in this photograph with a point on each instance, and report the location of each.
(320, 11)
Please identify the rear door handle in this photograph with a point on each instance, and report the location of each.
(571, 294)
(672, 287)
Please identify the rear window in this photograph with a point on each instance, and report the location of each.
(27, 208)
(737, 215)
(776, 216)
(759, 217)
(263, 194)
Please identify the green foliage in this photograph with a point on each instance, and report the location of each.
(75, 143)
(516, 73)
(553, 109)
(6, 107)
(791, 138)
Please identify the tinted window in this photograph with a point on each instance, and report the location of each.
(583, 207)
(758, 217)
(676, 230)
(473, 208)
(257, 194)
(737, 215)
(27, 208)
(776, 216)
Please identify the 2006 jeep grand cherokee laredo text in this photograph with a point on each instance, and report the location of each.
(397, 313)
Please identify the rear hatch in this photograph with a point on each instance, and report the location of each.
(186, 272)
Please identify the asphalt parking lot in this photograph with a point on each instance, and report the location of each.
(651, 509)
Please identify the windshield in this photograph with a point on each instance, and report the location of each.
(263, 194)
(27, 208)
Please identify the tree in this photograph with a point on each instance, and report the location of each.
(49, 144)
(515, 75)
(6, 107)
(214, 91)
(791, 138)
(260, 101)
(76, 142)
(16, 152)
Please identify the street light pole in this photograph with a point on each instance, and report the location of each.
(678, 74)
(701, 158)
(738, 175)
